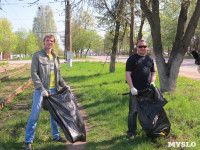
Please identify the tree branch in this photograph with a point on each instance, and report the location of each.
(146, 10)
(182, 20)
(192, 24)
(110, 12)
(128, 21)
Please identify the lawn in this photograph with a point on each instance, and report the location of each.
(100, 93)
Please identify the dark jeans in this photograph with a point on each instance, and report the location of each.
(132, 115)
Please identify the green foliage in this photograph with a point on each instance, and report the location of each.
(32, 44)
(8, 39)
(108, 42)
(169, 18)
(21, 45)
(43, 23)
(92, 41)
(83, 20)
(27, 42)
(83, 36)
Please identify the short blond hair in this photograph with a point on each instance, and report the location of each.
(49, 36)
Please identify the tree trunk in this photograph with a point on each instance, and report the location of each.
(81, 54)
(132, 28)
(114, 47)
(168, 72)
(119, 11)
(86, 53)
(140, 35)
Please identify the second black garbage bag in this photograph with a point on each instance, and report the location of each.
(151, 114)
(63, 108)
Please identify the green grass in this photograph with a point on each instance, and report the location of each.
(100, 94)
(3, 63)
(26, 58)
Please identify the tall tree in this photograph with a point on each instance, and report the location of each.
(8, 39)
(31, 43)
(82, 22)
(21, 45)
(43, 23)
(112, 16)
(129, 17)
(168, 71)
(118, 10)
(132, 27)
(92, 41)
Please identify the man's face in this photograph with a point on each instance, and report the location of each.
(141, 48)
(48, 43)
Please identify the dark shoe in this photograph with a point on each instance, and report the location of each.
(27, 146)
(60, 139)
(130, 136)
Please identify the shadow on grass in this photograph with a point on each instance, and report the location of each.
(82, 77)
(14, 145)
(107, 99)
(119, 143)
(18, 79)
(54, 147)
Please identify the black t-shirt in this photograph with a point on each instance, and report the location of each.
(141, 77)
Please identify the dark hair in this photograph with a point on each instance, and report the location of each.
(140, 41)
(49, 36)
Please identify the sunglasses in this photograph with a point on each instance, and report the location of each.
(142, 46)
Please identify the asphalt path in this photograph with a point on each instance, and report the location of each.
(187, 69)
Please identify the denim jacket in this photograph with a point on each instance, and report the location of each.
(40, 71)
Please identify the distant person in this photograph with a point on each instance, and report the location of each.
(45, 73)
(140, 74)
(196, 56)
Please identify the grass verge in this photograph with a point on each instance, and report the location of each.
(100, 94)
(9, 85)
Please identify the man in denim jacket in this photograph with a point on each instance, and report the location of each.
(45, 74)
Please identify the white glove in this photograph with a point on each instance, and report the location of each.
(152, 84)
(198, 68)
(44, 93)
(134, 91)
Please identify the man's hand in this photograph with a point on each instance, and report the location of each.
(152, 84)
(44, 93)
(134, 91)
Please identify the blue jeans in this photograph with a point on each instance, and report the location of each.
(32, 122)
(132, 115)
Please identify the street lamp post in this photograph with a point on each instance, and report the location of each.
(68, 41)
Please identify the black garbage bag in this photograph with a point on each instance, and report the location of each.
(151, 114)
(63, 108)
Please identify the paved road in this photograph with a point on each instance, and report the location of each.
(187, 69)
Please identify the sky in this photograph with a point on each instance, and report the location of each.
(21, 13)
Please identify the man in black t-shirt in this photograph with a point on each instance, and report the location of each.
(140, 74)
